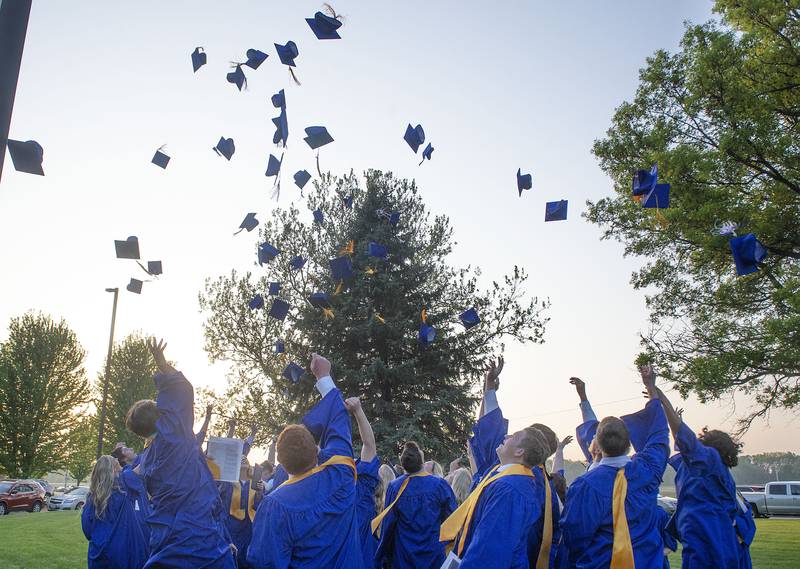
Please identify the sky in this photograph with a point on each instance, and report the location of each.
(524, 85)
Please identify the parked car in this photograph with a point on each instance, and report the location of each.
(48, 489)
(750, 488)
(777, 498)
(72, 500)
(21, 495)
(669, 504)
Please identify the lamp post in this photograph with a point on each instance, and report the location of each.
(108, 372)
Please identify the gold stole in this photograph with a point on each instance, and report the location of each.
(543, 561)
(334, 460)
(376, 521)
(622, 552)
(457, 525)
(236, 510)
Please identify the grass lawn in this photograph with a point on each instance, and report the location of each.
(53, 540)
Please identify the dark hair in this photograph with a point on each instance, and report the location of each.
(723, 443)
(534, 447)
(117, 453)
(613, 437)
(560, 485)
(411, 458)
(549, 436)
(297, 451)
(142, 417)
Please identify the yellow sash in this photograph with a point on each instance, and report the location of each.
(334, 460)
(622, 552)
(543, 561)
(236, 510)
(212, 466)
(457, 525)
(376, 521)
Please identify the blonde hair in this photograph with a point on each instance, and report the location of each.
(461, 482)
(102, 482)
(436, 469)
(385, 475)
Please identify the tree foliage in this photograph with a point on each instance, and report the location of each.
(130, 379)
(720, 117)
(42, 381)
(81, 448)
(410, 391)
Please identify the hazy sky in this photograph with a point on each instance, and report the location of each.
(496, 86)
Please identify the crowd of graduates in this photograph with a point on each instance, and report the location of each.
(319, 507)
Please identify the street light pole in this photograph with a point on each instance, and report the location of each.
(108, 372)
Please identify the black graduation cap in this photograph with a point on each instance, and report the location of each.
(248, 223)
(341, 268)
(274, 289)
(301, 178)
(160, 159)
(279, 309)
(199, 58)
(377, 250)
(266, 253)
(256, 302)
(414, 136)
(319, 300)
(135, 286)
(317, 136)
(319, 217)
(225, 147)
(293, 372)
(524, 181)
(325, 26)
(27, 156)
(347, 201)
(297, 262)
(426, 154)
(255, 58)
(470, 318)
(154, 267)
(287, 53)
(280, 347)
(556, 211)
(273, 166)
(127, 249)
(237, 77)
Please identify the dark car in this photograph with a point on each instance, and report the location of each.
(48, 488)
(21, 495)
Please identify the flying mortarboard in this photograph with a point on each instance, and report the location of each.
(281, 123)
(237, 77)
(301, 178)
(279, 100)
(225, 147)
(127, 249)
(524, 181)
(297, 263)
(341, 268)
(377, 250)
(256, 302)
(160, 159)
(135, 286)
(556, 211)
(154, 267)
(248, 223)
(266, 253)
(319, 300)
(199, 58)
(427, 334)
(347, 201)
(279, 309)
(470, 318)
(426, 153)
(414, 137)
(657, 198)
(27, 156)
(255, 58)
(645, 181)
(273, 166)
(317, 136)
(279, 347)
(274, 289)
(324, 26)
(319, 218)
(293, 372)
(287, 53)
(748, 253)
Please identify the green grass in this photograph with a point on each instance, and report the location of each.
(774, 547)
(53, 540)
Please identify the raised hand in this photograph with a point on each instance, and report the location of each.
(580, 387)
(253, 430)
(565, 442)
(492, 377)
(649, 380)
(209, 409)
(320, 366)
(352, 404)
(157, 349)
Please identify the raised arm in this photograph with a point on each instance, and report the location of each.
(558, 459)
(231, 428)
(175, 399)
(587, 413)
(491, 428)
(271, 454)
(585, 432)
(369, 449)
(328, 420)
(207, 420)
(248, 442)
(673, 417)
(157, 350)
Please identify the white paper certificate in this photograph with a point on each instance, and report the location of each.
(224, 457)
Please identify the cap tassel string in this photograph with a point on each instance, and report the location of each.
(328, 313)
(294, 77)
(318, 170)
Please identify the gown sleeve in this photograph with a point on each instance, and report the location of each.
(175, 400)
(329, 421)
(87, 518)
(649, 435)
(487, 434)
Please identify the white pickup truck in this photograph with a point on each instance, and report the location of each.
(777, 498)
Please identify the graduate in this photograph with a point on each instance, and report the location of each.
(186, 525)
(707, 518)
(242, 500)
(115, 537)
(368, 481)
(745, 530)
(133, 485)
(309, 521)
(584, 433)
(416, 504)
(488, 433)
(493, 526)
(460, 481)
(611, 512)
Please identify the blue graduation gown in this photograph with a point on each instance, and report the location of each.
(501, 525)
(587, 523)
(186, 523)
(368, 480)
(115, 539)
(278, 477)
(240, 531)
(133, 486)
(666, 535)
(745, 532)
(706, 505)
(410, 531)
(313, 523)
(487, 434)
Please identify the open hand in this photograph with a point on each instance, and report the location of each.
(580, 387)
(492, 377)
(649, 380)
(565, 442)
(157, 349)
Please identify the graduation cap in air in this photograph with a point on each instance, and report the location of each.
(248, 223)
(748, 253)
(237, 77)
(287, 54)
(347, 201)
(127, 249)
(657, 198)
(293, 372)
(279, 309)
(266, 253)
(274, 289)
(297, 263)
(426, 333)
(377, 250)
(414, 136)
(524, 181)
(27, 156)
(255, 58)
(301, 178)
(645, 181)
(426, 153)
(199, 58)
(470, 318)
(319, 218)
(280, 347)
(341, 268)
(317, 136)
(160, 159)
(279, 100)
(135, 286)
(154, 268)
(319, 300)
(556, 211)
(392, 217)
(325, 26)
(256, 302)
(273, 166)
(225, 147)
(281, 122)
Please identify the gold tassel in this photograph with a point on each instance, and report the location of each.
(328, 313)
